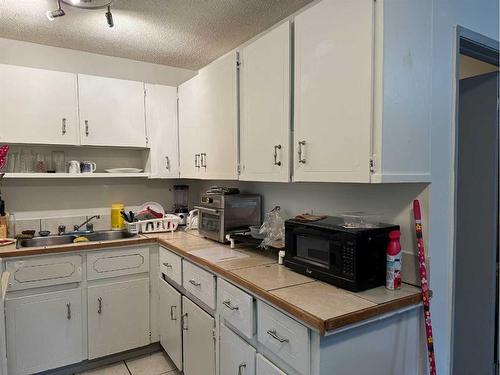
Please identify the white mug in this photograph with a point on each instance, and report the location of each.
(74, 166)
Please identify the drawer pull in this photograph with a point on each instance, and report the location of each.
(274, 335)
(99, 308)
(68, 311)
(227, 303)
(172, 308)
(168, 265)
(240, 367)
(195, 283)
(184, 322)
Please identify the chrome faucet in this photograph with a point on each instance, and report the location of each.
(89, 225)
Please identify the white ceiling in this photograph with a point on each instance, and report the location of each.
(182, 33)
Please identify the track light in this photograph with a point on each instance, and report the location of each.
(53, 14)
(83, 4)
(109, 17)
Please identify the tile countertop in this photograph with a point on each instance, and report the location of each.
(321, 306)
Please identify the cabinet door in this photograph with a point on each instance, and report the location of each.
(265, 108)
(44, 331)
(219, 143)
(265, 367)
(37, 106)
(111, 112)
(236, 356)
(333, 91)
(198, 340)
(118, 317)
(161, 123)
(190, 137)
(170, 322)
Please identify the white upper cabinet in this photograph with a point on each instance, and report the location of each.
(265, 108)
(38, 106)
(362, 92)
(161, 123)
(111, 112)
(333, 91)
(190, 128)
(208, 122)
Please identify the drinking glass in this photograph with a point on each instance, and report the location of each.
(58, 161)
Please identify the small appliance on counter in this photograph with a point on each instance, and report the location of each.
(181, 203)
(331, 251)
(222, 214)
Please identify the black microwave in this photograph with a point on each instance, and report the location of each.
(328, 250)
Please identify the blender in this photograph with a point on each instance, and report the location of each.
(181, 208)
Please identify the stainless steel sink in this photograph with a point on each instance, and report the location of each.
(108, 235)
(68, 239)
(46, 241)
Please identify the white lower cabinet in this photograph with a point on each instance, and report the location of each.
(236, 356)
(44, 331)
(118, 316)
(264, 367)
(170, 322)
(198, 340)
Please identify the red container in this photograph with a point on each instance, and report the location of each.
(393, 276)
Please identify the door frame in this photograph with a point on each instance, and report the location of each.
(480, 47)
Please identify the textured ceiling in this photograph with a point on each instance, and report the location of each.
(182, 33)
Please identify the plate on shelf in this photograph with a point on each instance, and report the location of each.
(124, 170)
(6, 241)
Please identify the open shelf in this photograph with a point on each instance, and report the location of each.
(81, 175)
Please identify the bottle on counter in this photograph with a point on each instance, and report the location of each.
(117, 222)
(11, 228)
(393, 276)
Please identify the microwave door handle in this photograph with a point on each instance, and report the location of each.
(211, 210)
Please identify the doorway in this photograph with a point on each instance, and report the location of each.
(475, 325)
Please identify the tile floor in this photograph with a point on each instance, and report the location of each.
(151, 364)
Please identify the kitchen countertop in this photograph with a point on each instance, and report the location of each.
(321, 306)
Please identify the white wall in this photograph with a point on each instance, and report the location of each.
(480, 16)
(68, 60)
(389, 202)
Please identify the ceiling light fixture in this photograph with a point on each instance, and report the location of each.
(83, 4)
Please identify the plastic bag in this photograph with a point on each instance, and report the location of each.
(273, 228)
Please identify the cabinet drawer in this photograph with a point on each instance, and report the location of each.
(284, 336)
(236, 307)
(44, 271)
(171, 265)
(111, 263)
(265, 367)
(198, 282)
(236, 356)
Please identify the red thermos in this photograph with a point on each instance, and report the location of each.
(393, 278)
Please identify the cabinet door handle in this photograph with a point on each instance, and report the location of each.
(203, 157)
(228, 304)
(184, 322)
(168, 265)
(301, 160)
(196, 164)
(87, 128)
(68, 311)
(276, 162)
(241, 367)
(195, 283)
(274, 335)
(99, 308)
(63, 128)
(167, 163)
(172, 308)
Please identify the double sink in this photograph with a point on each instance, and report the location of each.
(66, 239)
